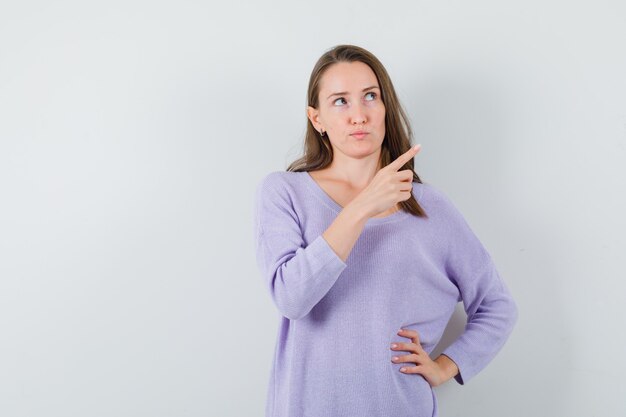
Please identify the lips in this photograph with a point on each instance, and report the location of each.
(358, 133)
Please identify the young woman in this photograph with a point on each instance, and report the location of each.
(366, 263)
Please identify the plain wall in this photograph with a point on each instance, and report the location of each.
(133, 133)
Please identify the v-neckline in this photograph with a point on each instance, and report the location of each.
(323, 195)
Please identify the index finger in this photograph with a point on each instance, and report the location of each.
(404, 158)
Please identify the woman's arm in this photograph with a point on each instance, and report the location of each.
(490, 307)
(298, 275)
(491, 317)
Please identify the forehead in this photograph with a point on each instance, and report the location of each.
(347, 76)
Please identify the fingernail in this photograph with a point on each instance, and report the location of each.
(395, 358)
(403, 369)
(393, 345)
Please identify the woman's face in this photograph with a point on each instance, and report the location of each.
(349, 101)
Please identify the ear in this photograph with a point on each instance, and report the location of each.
(313, 114)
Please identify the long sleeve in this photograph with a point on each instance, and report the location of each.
(297, 275)
(491, 310)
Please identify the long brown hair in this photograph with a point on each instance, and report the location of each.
(318, 152)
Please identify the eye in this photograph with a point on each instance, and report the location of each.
(374, 94)
(340, 98)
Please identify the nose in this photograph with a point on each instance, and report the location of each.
(358, 115)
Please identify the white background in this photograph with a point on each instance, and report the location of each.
(133, 133)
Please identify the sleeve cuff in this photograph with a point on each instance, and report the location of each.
(450, 353)
(326, 254)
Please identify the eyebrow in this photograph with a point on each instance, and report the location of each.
(346, 92)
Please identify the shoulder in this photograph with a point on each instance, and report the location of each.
(279, 181)
(279, 190)
(429, 194)
(438, 205)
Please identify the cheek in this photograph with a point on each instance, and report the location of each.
(332, 122)
(379, 111)
(380, 117)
